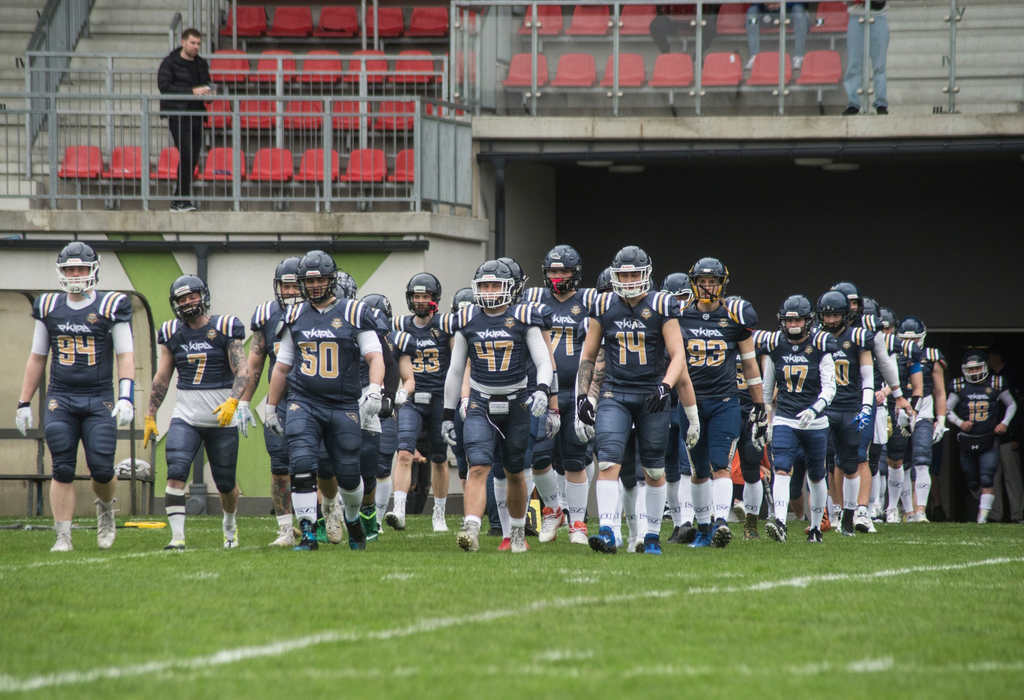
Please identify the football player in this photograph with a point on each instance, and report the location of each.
(499, 338)
(677, 463)
(979, 425)
(457, 453)
(266, 325)
(85, 331)
(431, 352)
(799, 361)
(715, 333)
(644, 361)
(318, 363)
(207, 353)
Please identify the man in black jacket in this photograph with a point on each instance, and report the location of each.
(184, 72)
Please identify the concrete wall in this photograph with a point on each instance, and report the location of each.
(531, 213)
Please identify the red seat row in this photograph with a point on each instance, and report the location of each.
(268, 165)
(674, 70)
(337, 21)
(389, 115)
(323, 66)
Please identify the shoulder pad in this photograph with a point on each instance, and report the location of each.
(602, 303)
(167, 331)
(863, 338)
(741, 312)
(44, 304)
(398, 322)
(534, 294)
(260, 316)
(997, 382)
(869, 322)
(934, 355)
(526, 313)
(765, 341)
(293, 312)
(115, 306)
(230, 327)
(464, 316)
(661, 302)
(446, 322)
(958, 385)
(825, 341)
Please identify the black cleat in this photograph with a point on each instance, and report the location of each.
(721, 535)
(846, 528)
(676, 536)
(776, 529)
(851, 110)
(309, 542)
(750, 527)
(687, 533)
(881, 109)
(814, 536)
(356, 536)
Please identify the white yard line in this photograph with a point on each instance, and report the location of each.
(12, 684)
(64, 560)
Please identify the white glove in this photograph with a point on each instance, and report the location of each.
(693, 433)
(940, 429)
(552, 424)
(903, 423)
(270, 420)
(401, 396)
(243, 414)
(369, 403)
(23, 419)
(584, 432)
(463, 408)
(768, 432)
(370, 424)
(123, 411)
(448, 432)
(452, 461)
(806, 417)
(538, 403)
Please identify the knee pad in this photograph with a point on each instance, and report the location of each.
(654, 473)
(603, 466)
(63, 472)
(224, 478)
(303, 483)
(349, 482)
(103, 474)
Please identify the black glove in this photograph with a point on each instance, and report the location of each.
(659, 400)
(585, 409)
(758, 425)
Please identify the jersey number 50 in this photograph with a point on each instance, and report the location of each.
(319, 359)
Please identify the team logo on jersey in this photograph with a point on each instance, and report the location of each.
(293, 407)
(91, 318)
(211, 334)
(808, 350)
(988, 391)
(53, 405)
(108, 405)
(336, 323)
(846, 345)
(723, 323)
(645, 314)
(352, 416)
(576, 310)
(435, 334)
(509, 322)
(706, 317)
(607, 395)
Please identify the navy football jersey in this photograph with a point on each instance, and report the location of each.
(710, 339)
(498, 355)
(268, 319)
(906, 353)
(81, 340)
(927, 357)
(746, 403)
(326, 367)
(847, 361)
(979, 403)
(201, 354)
(566, 317)
(392, 343)
(430, 350)
(797, 374)
(634, 348)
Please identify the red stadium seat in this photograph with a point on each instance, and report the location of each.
(349, 111)
(256, 114)
(575, 70)
(291, 21)
(390, 22)
(252, 21)
(266, 68)
(125, 164)
(631, 71)
(766, 69)
(337, 21)
(391, 118)
(226, 67)
(831, 18)
(672, 70)
(85, 162)
(321, 66)
(219, 114)
(636, 20)
(303, 114)
(722, 68)
(519, 71)
(220, 164)
(821, 68)
(422, 66)
(166, 165)
(311, 169)
(428, 21)
(549, 24)
(589, 20)
(732, 19)
(365, 165)
(405, 166)
(272, 165)
(375, 68)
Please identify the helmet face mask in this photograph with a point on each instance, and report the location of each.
(795, 308)
(190, 298)
(631, 272)
(832, 311)
(286, 283)
(77, 256)
(854, 302)
(379, 302)
(563, 269)
(493, 285)
(518, 277)
(423, 294)
(678, 285)
(463, 297)
(603, 284)
(317, 273)
(345, 286)
(912, 328)
(709, 278)
(975, 368)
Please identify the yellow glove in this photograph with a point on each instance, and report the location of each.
(150, 431)
(225, 412)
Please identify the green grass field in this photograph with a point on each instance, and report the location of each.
(923, 610)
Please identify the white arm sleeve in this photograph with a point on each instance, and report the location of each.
(768, 373)
(867, 385)
(1007, 399)
(368, 342)
(887, 363)
(456, 369)
(951, 401)
(827, 374)
(40, 339)
(540, 355)
(286, 351)
(122, 333)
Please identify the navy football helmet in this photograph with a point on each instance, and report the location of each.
(462, 297)
(182, 287)
(678, 285)
(912, 328)
(345, 286)
(78, 254)
(853, 300)
(715, 269)
(565, 263)
(832, 302)
(379, 302)
(604, 281)
(631, 259)
(886, 318)
(494, 271)
(313, 266)
(286, 272)
(795, 307)
(869, 307)
(423, 283)
(518, 275)
(975, 366)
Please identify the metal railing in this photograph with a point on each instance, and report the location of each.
(410, 152)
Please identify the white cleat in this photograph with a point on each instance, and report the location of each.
(285, 537)
(918, 517)
(395, 520)
(892, 517)
(861, 521)
(106, 526)
(63, 544)
(518, 540)
(469, 538)
(578, 533)
(332, 521)
(436, 520)
(551, 520)
(231, 540)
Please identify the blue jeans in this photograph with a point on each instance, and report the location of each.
(795, 12)
(879, 38)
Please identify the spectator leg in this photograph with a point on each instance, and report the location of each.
(854, 60)
(174, 124)
(996, 515)
(801, 25)
(1010, 460)
(753, 31)
(879, 49)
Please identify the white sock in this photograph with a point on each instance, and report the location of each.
(576, 499)
(985, 505)
(382, 495)
(686, 499)
(176, 513)
(304, 505)
(501, 500)
(563, 499)
(399, 502)
(721, 490)
(655, 500)
(895, 487)
(923, 486)
(752, 495)
(284, 521)
(851, 487)
(819, 493)
(228, 522)
(702, 502)
(528, 476)
(63, 527)
(547, 487)
(905, 492)
(780, 495)
(629, 499)
(516, 522)
(876, 489)
(351, 500)
(607, 493)
(675, 509)
(471, 522)
(833, 508)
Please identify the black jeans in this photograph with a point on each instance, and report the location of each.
(187, 133)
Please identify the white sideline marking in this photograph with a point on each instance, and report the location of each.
(11, 684)
(397, 576)
(63, 560)
(563, 655)
(201, 576)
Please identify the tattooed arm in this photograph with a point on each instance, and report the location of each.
(161, 380)
(591, 347)
(257, 358)
(598, 379)
(236, 360)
